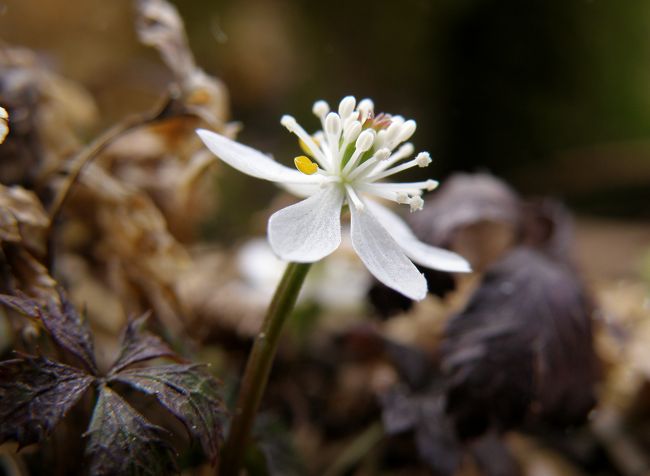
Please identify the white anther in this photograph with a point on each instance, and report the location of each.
(416, 203)
(351, 131)
(346, 106)
(333, 124)
(365, 140)
(431, 185)
(392, 133)
(382, 154)
(407, 130)
(320, 109)
(289, 122)
(423, 159)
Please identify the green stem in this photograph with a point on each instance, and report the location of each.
(259, 367)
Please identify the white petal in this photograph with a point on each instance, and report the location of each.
(302, 189)
(309, 230)
(250, 161)
(421, 253)
(383, 256)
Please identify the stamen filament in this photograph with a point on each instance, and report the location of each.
(401, 153)
(396, 169)
(354, 198)
(292, 125)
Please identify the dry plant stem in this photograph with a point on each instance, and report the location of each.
(259, 366)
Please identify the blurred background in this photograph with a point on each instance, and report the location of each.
(554, 96)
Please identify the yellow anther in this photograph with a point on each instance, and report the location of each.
(305, 165)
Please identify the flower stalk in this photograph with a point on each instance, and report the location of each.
(258, 367)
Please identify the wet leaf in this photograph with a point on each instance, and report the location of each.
(139, 345)
(187, 391)
(522, 348)
(67, 328)
(35, 393)
(123, 442)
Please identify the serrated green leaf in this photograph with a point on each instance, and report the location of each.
(35, 393)
(187, 391)
(139, 345)
(122, 442)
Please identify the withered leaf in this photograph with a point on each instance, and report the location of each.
(35, 393)
(123, 442)
(462, 200)
(160, 26)
(522, 348)
(187, 391)
(139, 345)
(67, 328)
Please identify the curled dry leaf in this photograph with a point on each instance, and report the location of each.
(522, 348)
(23, 240)
(160, 26)
(35, 393)
(23, 219)
(48, 113)
(120, 227)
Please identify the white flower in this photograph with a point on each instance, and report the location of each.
(354, 153)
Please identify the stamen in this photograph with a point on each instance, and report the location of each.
(346, 106)
(292, 126)
(351, 131)
(381, 154)
(354, 198)
(333, 131)
(363, 144)
(416, 203)
(305, 165)
(423, 159)
(407, 130)
(403, 152)
(399, 194)
(410, 187)
(320, 109)
(398, 168)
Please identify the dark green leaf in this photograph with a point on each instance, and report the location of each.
(187, 391)
(139, 345)
(123, 442)
(35, 393)
(68, 329)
